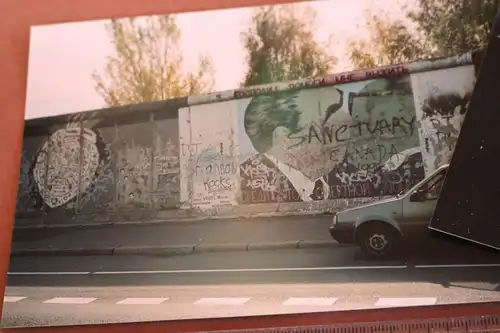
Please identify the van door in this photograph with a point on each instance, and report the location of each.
(419, 205)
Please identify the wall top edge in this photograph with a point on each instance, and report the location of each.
(169, 106)
(336, 79)
(172, 105)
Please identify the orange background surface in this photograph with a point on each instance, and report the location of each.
(17, 18)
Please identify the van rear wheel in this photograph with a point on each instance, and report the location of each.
(378, 240)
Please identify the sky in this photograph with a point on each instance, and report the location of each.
(64, 56)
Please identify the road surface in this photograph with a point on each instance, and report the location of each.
(107, 289)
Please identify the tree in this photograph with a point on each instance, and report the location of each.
(455, 26)
(281, 45)
(442, 28)
(147, 64)
(389, 42)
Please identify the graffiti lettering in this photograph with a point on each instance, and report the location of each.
(322, 134)
(383, 126)
(344, 78)
(387, 72)
(254, 92)
(257, 196)
(218, 169)
(350, 191)
(261, 183)
(374, 178)
(256, 169)
(377, 155)
(339, 133)
(366, 189)
(213, 176)
(222, 169)
(219, 184)
(366, 74)
(366, 183)
(309, 83)
(190, 149)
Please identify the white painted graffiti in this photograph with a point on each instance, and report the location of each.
(359, 177)
(62, 169)
(260, 176)
(376, 179)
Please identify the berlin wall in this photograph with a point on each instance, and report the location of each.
(306, 146)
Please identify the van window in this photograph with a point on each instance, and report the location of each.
(432, 187)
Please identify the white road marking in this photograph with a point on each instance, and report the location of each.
(142, 301)
(315, 301)
(229, 270)
(49, 273)
(249, 270)
(405, 301)
(457, 265)
(70, 300)
(12, 299)
(257, 270)
(222, 301)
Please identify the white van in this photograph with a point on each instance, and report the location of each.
(378, 228)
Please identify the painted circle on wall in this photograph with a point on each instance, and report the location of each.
(58, 172)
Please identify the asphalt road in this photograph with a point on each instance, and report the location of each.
(106, 289)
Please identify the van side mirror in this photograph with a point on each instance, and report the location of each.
(417, 196)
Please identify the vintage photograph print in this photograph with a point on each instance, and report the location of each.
(238, 162)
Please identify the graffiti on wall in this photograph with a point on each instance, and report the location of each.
(27, 192)
(347, 141)
(442, 99)
(262, 181)
(214, 176)
(354, 140)
(89, 169)
(134, 169)
(208, 155)
(66, 164)
(166, 172)
(99, 194)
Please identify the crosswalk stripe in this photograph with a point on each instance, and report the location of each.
(12, 299)
(142, 301)
(315, 301)
(70, 300)
(291, 301)
(222, 301)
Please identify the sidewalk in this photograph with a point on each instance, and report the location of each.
(204, 236)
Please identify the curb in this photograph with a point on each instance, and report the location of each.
(179, 220)
(177, 249)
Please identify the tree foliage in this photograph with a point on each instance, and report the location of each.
(280, 45)
(442, 28)
(147, 64)
(455, 26)
(389, 42)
